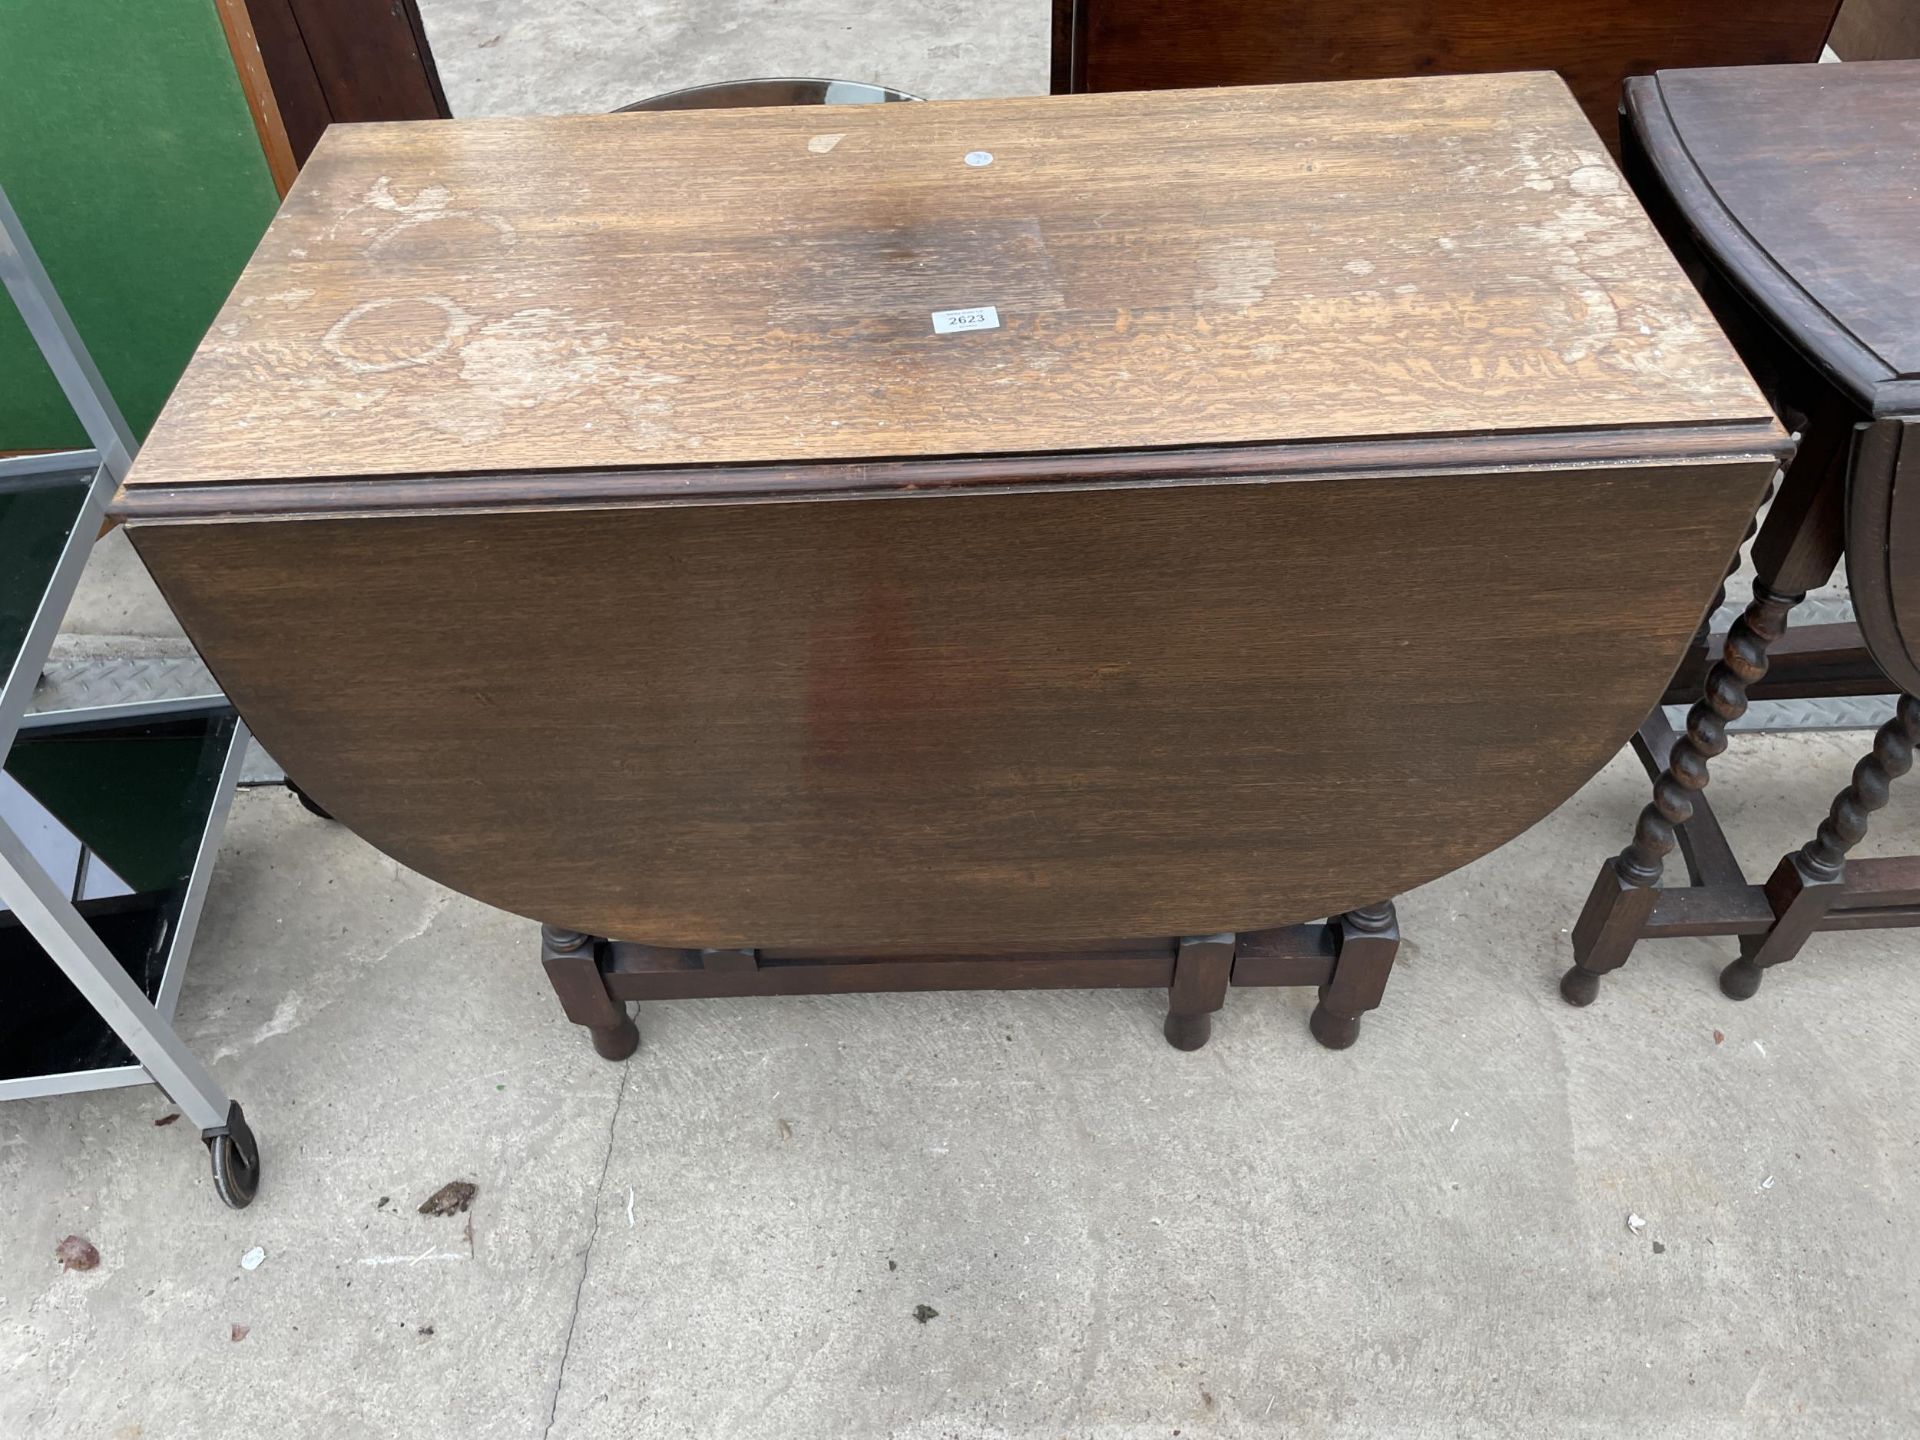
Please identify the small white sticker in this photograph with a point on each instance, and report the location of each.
(981, 317)
(978, 158)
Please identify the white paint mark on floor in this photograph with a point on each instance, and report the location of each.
(432, 1252)
(284, 1020)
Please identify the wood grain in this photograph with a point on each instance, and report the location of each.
(1877, 30)
(255, 85)
(1148, 44)
(1819, 166)
(344, 61)
(1319, 262)
(963, 720)
(686, 485)
(1883, 547)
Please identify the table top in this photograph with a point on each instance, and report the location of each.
(1426, 257)
(1803, 182)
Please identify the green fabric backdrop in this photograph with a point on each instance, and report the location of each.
(126, 146)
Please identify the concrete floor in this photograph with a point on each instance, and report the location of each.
(729, 1235)
(506, 57)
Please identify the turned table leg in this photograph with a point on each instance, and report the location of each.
(1365, 942)
(1805, 884)
(1623, 894)
(575, 972)
(1201, 971)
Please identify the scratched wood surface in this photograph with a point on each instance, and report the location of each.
(1402, 257)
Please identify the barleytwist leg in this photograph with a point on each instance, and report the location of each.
(574, 968)
(1693, 669)
(1365, 942)
(1805, 884)
(1623, 895)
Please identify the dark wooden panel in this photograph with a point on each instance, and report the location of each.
(347, 61)
(1877, 30)
(297, 91)
(636, 975)
(1883, 546)
(1878, 893)
(1903, 553)
(1881, 880)
(1150, 44)
(1297, 955)
(1431, 455)
(371, 59)
(963, 720)
(1068, 23)
(1818, 165)
(1808, 662)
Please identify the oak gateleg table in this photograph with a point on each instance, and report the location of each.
(1073, 541)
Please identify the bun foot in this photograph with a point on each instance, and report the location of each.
(1188, 1032)
(616, 1042)
(1740, 981)
(1579, 987)
(1336, 1032)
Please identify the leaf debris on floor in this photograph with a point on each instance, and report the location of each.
(76, 1252)
(451, 1198)
(924, 1313)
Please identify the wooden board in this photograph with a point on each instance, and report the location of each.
(1877, 30)
(1818, 167)
(1404, 257)
(344, 61)
(976, 719)
(1149, 44)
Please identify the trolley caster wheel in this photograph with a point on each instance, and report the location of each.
(308, 801)
(236, 1159)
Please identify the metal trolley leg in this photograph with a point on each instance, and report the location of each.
(51, 919)
(25, 886)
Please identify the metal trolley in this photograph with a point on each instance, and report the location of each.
(110, 817)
